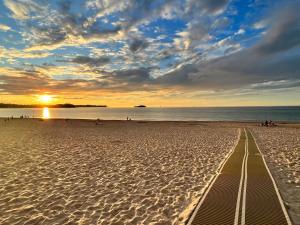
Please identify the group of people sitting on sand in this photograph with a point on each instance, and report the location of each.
(12, 117)
(98, 122)
(268, 123)
(24, 117)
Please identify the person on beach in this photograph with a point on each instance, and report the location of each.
(268, 123)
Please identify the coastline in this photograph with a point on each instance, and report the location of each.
(257, 122)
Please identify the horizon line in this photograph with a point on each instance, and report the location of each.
(134, 106)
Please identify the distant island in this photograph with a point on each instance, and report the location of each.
(66, 105)
(140, 106)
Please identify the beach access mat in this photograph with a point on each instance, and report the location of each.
(243, 192)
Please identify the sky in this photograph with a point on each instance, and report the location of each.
(154, 52)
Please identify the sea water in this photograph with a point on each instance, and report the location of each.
(288, 114)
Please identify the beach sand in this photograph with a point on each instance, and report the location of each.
(76, 172)
(125, 172)
(281, 148)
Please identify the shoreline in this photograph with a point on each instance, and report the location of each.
(154, 121)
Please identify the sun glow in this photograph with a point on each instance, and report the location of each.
(45, 99)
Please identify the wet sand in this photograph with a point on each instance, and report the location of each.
(117, 172)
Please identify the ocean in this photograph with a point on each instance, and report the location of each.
(288, 114)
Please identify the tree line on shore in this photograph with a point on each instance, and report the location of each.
(66, 105)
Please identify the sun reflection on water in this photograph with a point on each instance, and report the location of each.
(46, 113)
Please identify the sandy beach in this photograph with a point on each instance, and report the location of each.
(118, 172)
(75, 172)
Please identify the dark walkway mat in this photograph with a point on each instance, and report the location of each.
(220, 203)
(243, 192)
(262, 202)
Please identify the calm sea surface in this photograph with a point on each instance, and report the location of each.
(160, 114)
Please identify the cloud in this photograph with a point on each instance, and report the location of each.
(260, 24)
(135, 12)
(140, 75)
(18, 81)
(4, 27)
(276, 84)
(32, 81)
(284, 33)
(203, 54)
(93, 62)
(238, 70)
(196, 31)
(259, 66)
(240, 32)
(12, 53)
(51, 28)
(21, 9)
(138, 44)
(210, 6)
(181, 76)
(220, 23)
(214, 6)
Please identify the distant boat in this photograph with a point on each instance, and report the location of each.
(140, 106)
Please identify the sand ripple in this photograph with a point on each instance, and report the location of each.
(75, 172)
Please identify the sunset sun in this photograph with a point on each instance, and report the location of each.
(45, 99)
